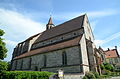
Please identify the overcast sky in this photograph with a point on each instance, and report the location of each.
(21, 19)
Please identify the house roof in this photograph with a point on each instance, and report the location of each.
(72, 42)
(66, 27)
(111, 53)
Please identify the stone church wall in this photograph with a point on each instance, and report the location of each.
(67, 69)
(37, 61)
(26, 63)
(18, 67)
(13, 65)
(54, 61)
(54, 58)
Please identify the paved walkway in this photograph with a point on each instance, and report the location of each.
(115, 77)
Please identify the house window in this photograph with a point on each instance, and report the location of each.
(45, 60)
(64, 58)
(111, 61)
(116, 60)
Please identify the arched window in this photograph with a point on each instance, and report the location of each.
(45, 58)
(15, 64)
(21, 64)
(64, 58)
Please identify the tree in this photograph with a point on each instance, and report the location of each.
(3, 50)
(3, 53)
(3, 66)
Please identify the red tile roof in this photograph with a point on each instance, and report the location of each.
(68, 43)
(111, 53)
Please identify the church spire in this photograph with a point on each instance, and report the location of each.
(50, 20)
(50, 24)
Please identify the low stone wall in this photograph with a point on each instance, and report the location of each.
(68, 76)
(73, 76)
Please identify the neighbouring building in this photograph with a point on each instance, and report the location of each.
(112, 57)
(68, 46)
(100, 58)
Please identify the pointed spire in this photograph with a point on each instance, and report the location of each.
(50, 24)
(50, 20)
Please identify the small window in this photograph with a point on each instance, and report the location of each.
(74, 33)
(61, 37)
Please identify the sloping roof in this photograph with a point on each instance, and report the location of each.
(61, 45)
(111, 53)
(66, 27)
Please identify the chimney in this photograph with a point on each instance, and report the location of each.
(108, 49)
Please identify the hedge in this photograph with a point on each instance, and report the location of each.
(25, 75)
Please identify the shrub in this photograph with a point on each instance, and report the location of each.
(106, 72)
(117, 70)
(108, 66)
(3, 66)
(25, 75)
(89, 75)
(115, 74)
(96, 75)
(102, 66)
(85, 77)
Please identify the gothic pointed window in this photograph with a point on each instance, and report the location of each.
(21, 64)
(15, 64)
(30, 61)
(64, 58)
(45, 60)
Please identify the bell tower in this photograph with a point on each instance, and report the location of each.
(50, 24)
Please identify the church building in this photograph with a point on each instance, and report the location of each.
(68, 46)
